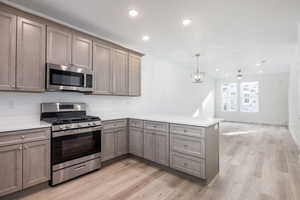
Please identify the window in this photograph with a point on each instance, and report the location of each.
(249, 97)
(248, 93)
(230, 94)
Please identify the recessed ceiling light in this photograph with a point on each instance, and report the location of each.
(133, 13)
(146, 38)
(217, 70)
(186, 22)
(258, 64)
(260, 71)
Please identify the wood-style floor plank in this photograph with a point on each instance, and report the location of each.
(256, 163)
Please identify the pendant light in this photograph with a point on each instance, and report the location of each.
(239, 75)
(197, 75)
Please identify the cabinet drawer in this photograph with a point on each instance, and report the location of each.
(187, 130)
(136, 123)
(188, 145)
(158, 126)
(188, 164)
(114, 124)
(9, 138)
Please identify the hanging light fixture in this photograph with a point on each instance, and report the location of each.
(239, 75)
(197, 75)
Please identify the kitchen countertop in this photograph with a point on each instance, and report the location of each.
(18, 124)
(176, 119)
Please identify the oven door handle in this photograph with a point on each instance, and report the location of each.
(76, 131)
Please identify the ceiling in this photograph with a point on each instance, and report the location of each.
(229, 34)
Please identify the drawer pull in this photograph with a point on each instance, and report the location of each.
(185, 146)
(185, 164)
(185, 131)
(80, 167)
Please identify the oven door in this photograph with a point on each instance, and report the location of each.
(73, 144)
(61, 77)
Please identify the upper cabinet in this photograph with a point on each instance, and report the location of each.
(102, 69)
(67, 48)
(59, 46)
(22, 54)
(120, 72)
(8, 28)
(134, 75)
(30, 74)
(82, 51)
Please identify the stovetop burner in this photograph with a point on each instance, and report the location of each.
(60, 121)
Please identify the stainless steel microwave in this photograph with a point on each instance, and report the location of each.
(68, 78)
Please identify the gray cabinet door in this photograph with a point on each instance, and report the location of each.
(8, 24)
(149, 145)
(11, 169)
(121, 142)
(82, 52)
(59, 45)
(134, 75)
(30, 55)
(136, 141)
(36, 163)
(120, 72)
(162, 148)
(108, 145)
(102, 69)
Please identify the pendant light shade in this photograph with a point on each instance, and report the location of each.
(198, 76)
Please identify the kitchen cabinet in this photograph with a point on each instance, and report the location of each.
(149, 145)
(24, 159)
(82, 51)
(162, 148)
(108, 145)
(36, 163)
(59, 46)
(120, 72)
(114, 141)
(136, 141)
(11, 169)
(30, 74)
(134, 75)
(102, 69)
(121, 139)
(8, 28)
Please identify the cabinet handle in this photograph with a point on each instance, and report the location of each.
(185, 131)
(185, 146)
(185, 164)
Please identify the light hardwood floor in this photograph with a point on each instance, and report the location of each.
(256, 163)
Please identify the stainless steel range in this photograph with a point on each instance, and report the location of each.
(75, 140)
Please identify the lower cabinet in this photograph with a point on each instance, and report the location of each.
(136, 141)
(11, 169)
(114, 140)
(156, 146)
(36, 163)
(24, 159)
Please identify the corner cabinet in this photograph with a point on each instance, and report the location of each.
(120, 72)
(24, 159)
(31, 37)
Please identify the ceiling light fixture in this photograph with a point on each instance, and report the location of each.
(133, 13)
(146, 38)
(217, 70)
(198, 76)
(260, 71)
(186, 22)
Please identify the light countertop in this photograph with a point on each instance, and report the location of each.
(176, 119)
(18, 124)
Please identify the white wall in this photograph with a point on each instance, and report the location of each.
(273, 100)
(166, 89)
